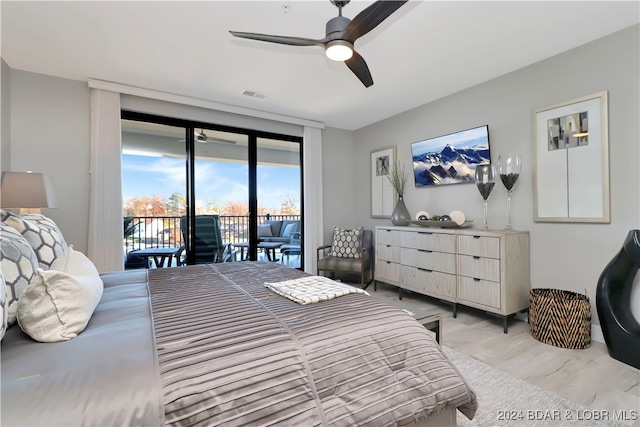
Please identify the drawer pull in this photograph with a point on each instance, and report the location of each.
(475, 279)
(388, 262)
(425, 269)
(476, 257)
(388, 246)
(425, 250)
(425, 232)
(476, 237)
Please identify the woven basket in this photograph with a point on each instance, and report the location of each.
(560, 318)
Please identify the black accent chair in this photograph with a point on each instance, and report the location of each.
(362, 266)
(209, 247)
(613, 300)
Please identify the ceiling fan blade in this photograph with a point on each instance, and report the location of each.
(369, 18)
(360, 68)
(220, 140)
(292, 41)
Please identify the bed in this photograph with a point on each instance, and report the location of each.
(211, 345)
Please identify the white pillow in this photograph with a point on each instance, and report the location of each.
(264, 230)
(288, 230)
(59, 302)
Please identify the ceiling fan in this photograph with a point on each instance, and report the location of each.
(202, 138)
(341, 34)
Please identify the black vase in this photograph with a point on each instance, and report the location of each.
(620, 328)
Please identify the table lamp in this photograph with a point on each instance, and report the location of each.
(27, 191)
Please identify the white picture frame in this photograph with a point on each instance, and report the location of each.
(571, 156)
(383, 196)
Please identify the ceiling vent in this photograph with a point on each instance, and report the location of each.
(253, 94)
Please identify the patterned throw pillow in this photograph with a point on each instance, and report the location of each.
(4, 308)
(346, 243)
(19, 265)
(42, 233)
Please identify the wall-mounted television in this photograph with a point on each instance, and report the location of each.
(451, 158)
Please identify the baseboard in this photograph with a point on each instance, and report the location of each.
(596, 330)
(596, 333)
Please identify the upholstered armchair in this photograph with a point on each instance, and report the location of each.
(351, 252)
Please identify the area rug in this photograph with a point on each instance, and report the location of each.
(504, 400)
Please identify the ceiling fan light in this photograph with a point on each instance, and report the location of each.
(339, 50)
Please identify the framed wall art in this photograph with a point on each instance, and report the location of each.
(571, 154)
(451, 158)
(383, 197)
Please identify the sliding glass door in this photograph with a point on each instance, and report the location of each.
(210, 190)
(279, 200)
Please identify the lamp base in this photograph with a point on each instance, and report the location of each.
(30, 211)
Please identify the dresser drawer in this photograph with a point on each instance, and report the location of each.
(428, 260)
(388, 253)
(479, 268)
(385, 236)
(479, 291)
(388, 272)
(488, 247)
(438, 242)
(428, 282)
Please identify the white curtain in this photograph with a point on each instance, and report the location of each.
(105, 201)
(312, 170)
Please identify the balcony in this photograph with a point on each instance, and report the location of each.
(164, 231)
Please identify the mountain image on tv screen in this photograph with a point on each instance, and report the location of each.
(450, 159)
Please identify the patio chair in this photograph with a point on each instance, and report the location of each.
(209, 247)
(291, 248)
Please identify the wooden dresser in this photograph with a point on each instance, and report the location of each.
(484, 269)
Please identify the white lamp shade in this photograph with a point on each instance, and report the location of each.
(25, 190)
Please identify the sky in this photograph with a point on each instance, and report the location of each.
(222, 181)
(466, 138)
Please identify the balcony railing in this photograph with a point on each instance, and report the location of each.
(164, 231)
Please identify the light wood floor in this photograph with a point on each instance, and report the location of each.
(589, 377)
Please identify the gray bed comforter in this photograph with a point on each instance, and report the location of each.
(227, 351)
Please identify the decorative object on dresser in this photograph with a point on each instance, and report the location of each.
(509, 167)
(398, 178)
(382, 195)
(487, 270)
(571, 177)
(349, 253)
(560, 318)
(456, 219)
(485, 181)
(450, 159)
(620, 328)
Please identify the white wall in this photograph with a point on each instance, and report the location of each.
(50, 134)
(338, 177)
(5, 122)
(566, 256)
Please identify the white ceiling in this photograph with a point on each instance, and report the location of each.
(424, 51)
